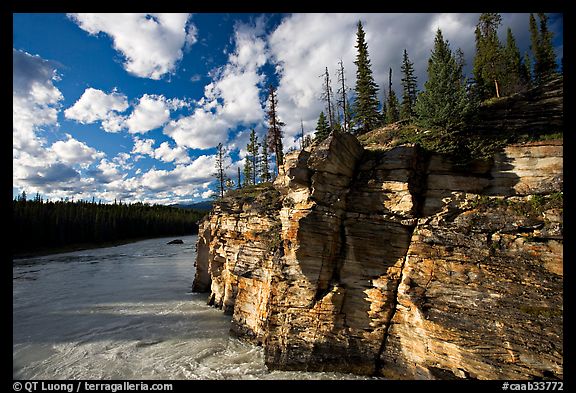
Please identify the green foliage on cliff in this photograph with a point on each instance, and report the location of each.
(366, 115)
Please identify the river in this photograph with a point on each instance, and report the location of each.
(126, 312)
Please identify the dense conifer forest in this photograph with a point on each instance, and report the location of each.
(54, 225)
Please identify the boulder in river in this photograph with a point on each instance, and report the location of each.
(176, 241)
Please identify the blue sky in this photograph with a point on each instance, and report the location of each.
(131, 106)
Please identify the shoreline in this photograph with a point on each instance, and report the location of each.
(84, 246)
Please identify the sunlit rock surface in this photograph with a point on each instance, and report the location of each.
(395, 262)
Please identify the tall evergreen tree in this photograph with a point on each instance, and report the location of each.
(392, 114)
(251, 163)
(322, 128)
(328, 98)
(248, 171)
(343, 100)
(220, 174)
(525, 73)
(512, 80)
(542, 49)
(275, 133)
(409, 88)
(239, 182)
(488, 66)
(366, 102)
(264, 162)
(444, 102)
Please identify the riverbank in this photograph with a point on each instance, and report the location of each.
(83, 246)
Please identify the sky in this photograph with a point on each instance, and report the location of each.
(131, 107)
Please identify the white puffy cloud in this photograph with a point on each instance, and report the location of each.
(143, 146)
(202, 130)
(36, 101)
(36, 104)
(152, 44)
(151, 112)
(73, 151)
(95, 105)
(232, 99)
(167, 154)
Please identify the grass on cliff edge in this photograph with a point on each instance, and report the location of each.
(462, 147)
(258, 196)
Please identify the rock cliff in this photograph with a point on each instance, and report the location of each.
(396, 263)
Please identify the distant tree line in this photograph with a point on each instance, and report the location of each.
(39, 224)
(445, 105)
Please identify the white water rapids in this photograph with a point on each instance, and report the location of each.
(126, 312)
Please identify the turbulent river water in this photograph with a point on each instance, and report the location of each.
(126, 312)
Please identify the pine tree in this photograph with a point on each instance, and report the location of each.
(251, 164)
(444, 102)
(247, 171)
(525, 73)
(366, 102)
(392, 115)
(239, 183)
(307, 141)
(488, 66)
(511, 79)
(343, 101)
(322, 128)
(328, 98)
(542, 49)
(220, 174)
(264, 164)
(409, 88)
(275, 129)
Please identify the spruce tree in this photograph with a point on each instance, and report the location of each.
(511, 79)
(222, 179)
(264, 163)
(542, 49)
(251, 160)
(322, 128)
(343, 101)
(239, 183)
(366, 102)
(275, 133)
(409, 88)
(488, 66)
(444, 102)
(392, 115)
(248, 172)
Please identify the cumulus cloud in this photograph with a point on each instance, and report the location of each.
(96, 105)
(36, 101)
(232, 99)
(143, 146)
(72, 151)
(151, 44)
(151, 112)
(165, 153)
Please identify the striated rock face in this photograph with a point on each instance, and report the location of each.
(396, 263)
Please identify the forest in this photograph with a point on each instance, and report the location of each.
(448, 109)
(40, 225)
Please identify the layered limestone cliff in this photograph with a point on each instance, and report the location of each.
(396, 263)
